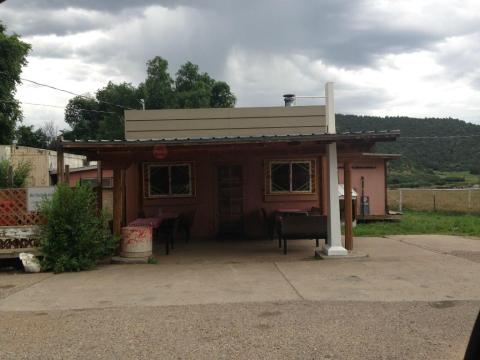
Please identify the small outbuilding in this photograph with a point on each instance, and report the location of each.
(230, 166)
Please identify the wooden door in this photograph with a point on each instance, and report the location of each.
(230, 200)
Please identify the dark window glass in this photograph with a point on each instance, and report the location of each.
(159, 180)
(180, 179)
(301, 176)
(280, 177)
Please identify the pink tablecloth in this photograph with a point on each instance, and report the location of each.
(291, 211)
(154, 222)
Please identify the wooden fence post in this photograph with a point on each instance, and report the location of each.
(67, 175)
(60, 166)
(400, 200)
(10, 176)
(469, 200)
(99, 186)
(434, 202)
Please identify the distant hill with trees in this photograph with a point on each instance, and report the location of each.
(446, 157)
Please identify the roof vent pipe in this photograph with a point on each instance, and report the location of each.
(289, 99)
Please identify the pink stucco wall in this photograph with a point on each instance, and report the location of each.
(204, 201)
(373, 170)
(87, 174)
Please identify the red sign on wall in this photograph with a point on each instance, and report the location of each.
(160, 151)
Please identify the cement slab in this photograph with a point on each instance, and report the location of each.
(396, 270)
(154, 285)
(129, 260)
(352, 255)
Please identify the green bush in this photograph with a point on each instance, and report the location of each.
(18, 177)
(73, 236)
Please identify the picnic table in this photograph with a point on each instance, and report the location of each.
(154, 222)
(291, 211)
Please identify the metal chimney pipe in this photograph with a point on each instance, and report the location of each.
(289, 99)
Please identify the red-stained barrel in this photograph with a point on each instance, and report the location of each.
(136, 241)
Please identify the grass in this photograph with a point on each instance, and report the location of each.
(468, 178)
(414, 177)
(414, 223)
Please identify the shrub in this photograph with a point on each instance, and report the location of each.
(18, 177)
(73, 236)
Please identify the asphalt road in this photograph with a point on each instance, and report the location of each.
(279, 330)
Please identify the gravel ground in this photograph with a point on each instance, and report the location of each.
(280, 330)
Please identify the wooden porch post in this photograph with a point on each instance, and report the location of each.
(347, 191)
(118, 185)
(67, 175)
(60, 166)
(99, 186)
(324, 185)
(140, 188)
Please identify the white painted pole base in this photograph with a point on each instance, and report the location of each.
(334, 250)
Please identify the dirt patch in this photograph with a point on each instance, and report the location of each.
(442, 304)
(468, 255)
(269, 313)
(8, 286)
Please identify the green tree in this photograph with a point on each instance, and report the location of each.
(84, 122)
(112, 119)
(73, 237)
(192, 88)
(157, 90)
(26, 136)
(13, 56)
(99, 118)
(222, 97)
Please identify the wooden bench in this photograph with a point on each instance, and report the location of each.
(17, 239)
(303, 227)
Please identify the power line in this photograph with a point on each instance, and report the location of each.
(439, 137)
(60, 107)
(71, 92)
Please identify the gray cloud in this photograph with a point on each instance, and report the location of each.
(120, 36)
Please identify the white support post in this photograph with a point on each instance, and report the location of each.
(334, 244)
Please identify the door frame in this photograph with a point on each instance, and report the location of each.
(216, 165)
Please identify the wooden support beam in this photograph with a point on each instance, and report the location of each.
(140, 189)
(324, 188)
(118, 186)
(60, 166)
(386, 186)
(67, 175)
(99, 186)
(347, 186)
(320, 183)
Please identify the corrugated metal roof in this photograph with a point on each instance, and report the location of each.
(241, 139)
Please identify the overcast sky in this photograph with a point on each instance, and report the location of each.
(386, 57)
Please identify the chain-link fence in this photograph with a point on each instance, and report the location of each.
(457, 200)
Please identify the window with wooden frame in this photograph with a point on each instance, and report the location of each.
(168, 180)
(290, 177)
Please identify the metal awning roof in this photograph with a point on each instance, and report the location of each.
(373, 136)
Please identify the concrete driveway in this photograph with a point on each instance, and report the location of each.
(409, 285)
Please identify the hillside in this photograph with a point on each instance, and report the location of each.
(425, 162)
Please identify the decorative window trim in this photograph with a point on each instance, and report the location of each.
(268, 176)
(146, 180)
